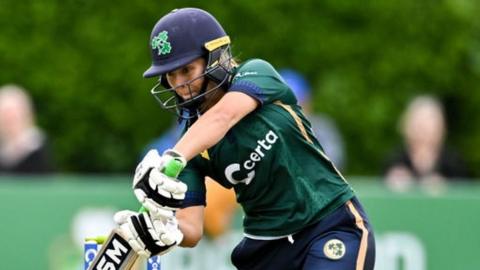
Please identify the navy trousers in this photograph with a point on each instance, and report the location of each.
(343, 240)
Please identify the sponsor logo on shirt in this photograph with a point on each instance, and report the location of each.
(256, 156)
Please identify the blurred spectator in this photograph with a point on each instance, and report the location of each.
(323, 127)
(423, 158)
(23, 147)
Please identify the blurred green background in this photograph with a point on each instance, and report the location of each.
(82, 62)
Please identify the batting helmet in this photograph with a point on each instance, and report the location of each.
(177, 39)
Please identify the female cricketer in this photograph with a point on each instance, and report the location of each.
(245, 130)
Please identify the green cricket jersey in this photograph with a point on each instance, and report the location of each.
(280, 174)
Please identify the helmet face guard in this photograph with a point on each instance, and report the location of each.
(217, 70)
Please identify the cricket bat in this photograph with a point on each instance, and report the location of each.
(116, 253)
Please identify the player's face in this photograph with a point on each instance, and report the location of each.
(188, 79)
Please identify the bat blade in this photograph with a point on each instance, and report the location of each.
(115, 254)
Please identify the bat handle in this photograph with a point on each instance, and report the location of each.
(171, 169)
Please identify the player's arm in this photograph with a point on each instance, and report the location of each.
(190, 220)
(212, 126)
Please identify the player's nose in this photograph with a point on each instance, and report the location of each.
(180, 85)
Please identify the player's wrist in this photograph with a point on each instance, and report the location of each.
(176, 155)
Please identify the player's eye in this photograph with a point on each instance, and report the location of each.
(186, 69)
(170, 74)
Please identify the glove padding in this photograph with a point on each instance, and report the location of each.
(157, 192)
(149, 235)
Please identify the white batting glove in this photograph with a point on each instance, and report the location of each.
(157, 192)
(149, 235)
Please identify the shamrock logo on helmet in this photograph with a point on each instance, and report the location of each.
(160, 43)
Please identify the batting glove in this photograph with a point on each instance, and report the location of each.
(159, 193)
(147, 234)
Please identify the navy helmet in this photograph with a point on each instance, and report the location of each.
(177, 39)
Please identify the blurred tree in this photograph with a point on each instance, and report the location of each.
(83, 61)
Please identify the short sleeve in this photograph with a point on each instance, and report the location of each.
(258, 79)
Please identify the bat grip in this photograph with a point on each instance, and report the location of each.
(171, 169)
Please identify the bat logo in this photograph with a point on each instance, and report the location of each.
(116, 253)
